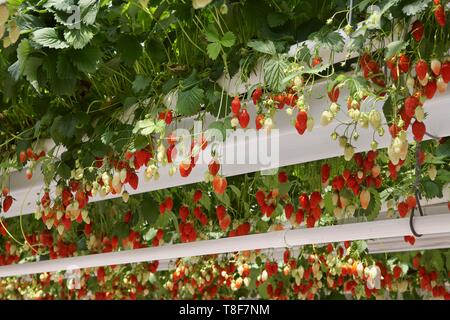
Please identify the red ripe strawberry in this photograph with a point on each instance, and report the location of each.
(260, 197)
(410, 239)
(220, 212)
(279, 101)
(288, 210)
(225, 222)
(197, 195)
(243, 229)
(445, 72)
(184, 213)
(269, 210)
(30, 154)
(430, 89)
(403, 209)
(315, 199)
(316, 61)
(236, 105)
(329, 248)
(7, 203)
(310, 222)
(256, 95)
(162, 208)
(185, 170)
(418, 129)
(411, 104)
(286, 256)
(213, 167)
(23, 157)
(219, 184)
(159, 234)
(304, 201)
(299, 216)
(259, 120)
(333, 94)
(421, 69)
(411, 202)
(244, 118)
(168, 203)
(127, 217)
(133, 180)
(301, 127)
(397, 271)
(404, 63)
(417, 30)
(5, 191)
(316, 213)
(168, 118)
(325, 172)
(439, 14)
(282, 177)
(45, 200)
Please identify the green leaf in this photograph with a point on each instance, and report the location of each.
(444, 149)
(228, 39)
(236, 191)
(31, 71)
(65, 5)
(48, 37)
(263, 46)
(374, 207)
(88, 10)
(224, 198)
(432, 189)
(388, 110)
(140, 83)
(218, 125)
(276, 19)
(394, 48)
(78, 38)
(211, 33)
(213, 50)
(188, 102)
(205, 201)
(64, 67)
(415, 7)
(274, 73)
(328, 38)
(87, 59)
(121, 230)
(130, 48)
(149, 209)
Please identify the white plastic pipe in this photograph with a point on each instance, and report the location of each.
(426, 225)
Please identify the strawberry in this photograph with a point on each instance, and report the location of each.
(29, 173)
(397, 271)
(418, 129)
(417, 30)
(220, 212)
(430, 89)
(435, 66)
(282, 177)
(411, 202)
(168, 203)
(288, 210)
(299, 216)
(260, 197)
(364, 199)
(325, 172)
(23, 157)
(403, 209)
(411, 104)
(310, 222)
(316, 61)
(256, 95)
(279, 101)
(168, 117)
(127, 217)
(133, 180)
(333, 94)
(439, 14)
(7, 203)
(259, 120)
(185, 170)
(445, 72)
(421, 69)
(404, 63)
(183, 213)
(213, 167)
(197, 195)
(219, 184)
(244, 118)
(225, 222)
(304, 201)
(236, 105)
(315, 199)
